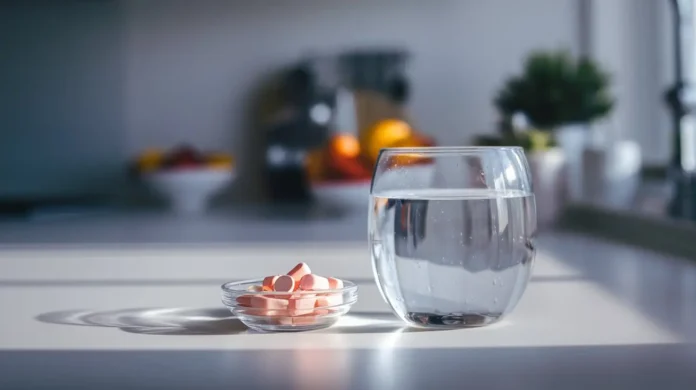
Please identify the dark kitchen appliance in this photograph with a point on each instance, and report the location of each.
(301, 123)
(681, 99)
(311, 109)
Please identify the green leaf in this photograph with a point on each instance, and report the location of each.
(556, 89)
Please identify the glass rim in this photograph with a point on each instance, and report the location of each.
(448, 149)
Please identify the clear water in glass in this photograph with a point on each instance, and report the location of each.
(457, 257)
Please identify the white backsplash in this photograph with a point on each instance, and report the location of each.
(187, 69)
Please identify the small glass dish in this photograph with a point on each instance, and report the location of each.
(306, 310)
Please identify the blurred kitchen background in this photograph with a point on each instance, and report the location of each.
(261, 102)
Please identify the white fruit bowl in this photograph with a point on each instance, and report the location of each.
(189, 191)
(353, 195)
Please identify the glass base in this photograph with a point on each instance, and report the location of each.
(453, 320)
(287, 323)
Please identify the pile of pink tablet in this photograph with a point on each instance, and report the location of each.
(299, 298)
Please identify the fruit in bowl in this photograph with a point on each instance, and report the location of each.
(341, 170)
(185, 177)
(338, 173)
(343, 158)
(181, 158)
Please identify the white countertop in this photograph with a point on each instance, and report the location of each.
(118, 301)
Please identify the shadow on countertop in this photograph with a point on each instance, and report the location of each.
(210, 321)
(153, 321)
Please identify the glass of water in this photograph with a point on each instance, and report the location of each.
(451, 232)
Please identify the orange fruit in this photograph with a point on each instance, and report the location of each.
(221, 158)
(150, 160)
(343, 157)
(385, 134)
(222, 161)
(410, 142)
(344, 145)
(222, 165)
(414, 141)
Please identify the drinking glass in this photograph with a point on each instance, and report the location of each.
(451, 233)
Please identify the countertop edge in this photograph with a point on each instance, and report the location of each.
(649, 232)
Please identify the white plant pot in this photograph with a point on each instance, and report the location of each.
(572, 139)
(548, 170)
(611, 175)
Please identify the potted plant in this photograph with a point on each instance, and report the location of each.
(563, 96)
(556, 90)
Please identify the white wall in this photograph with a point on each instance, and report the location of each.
(191, 65)
(633, 41)
(188, 67)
